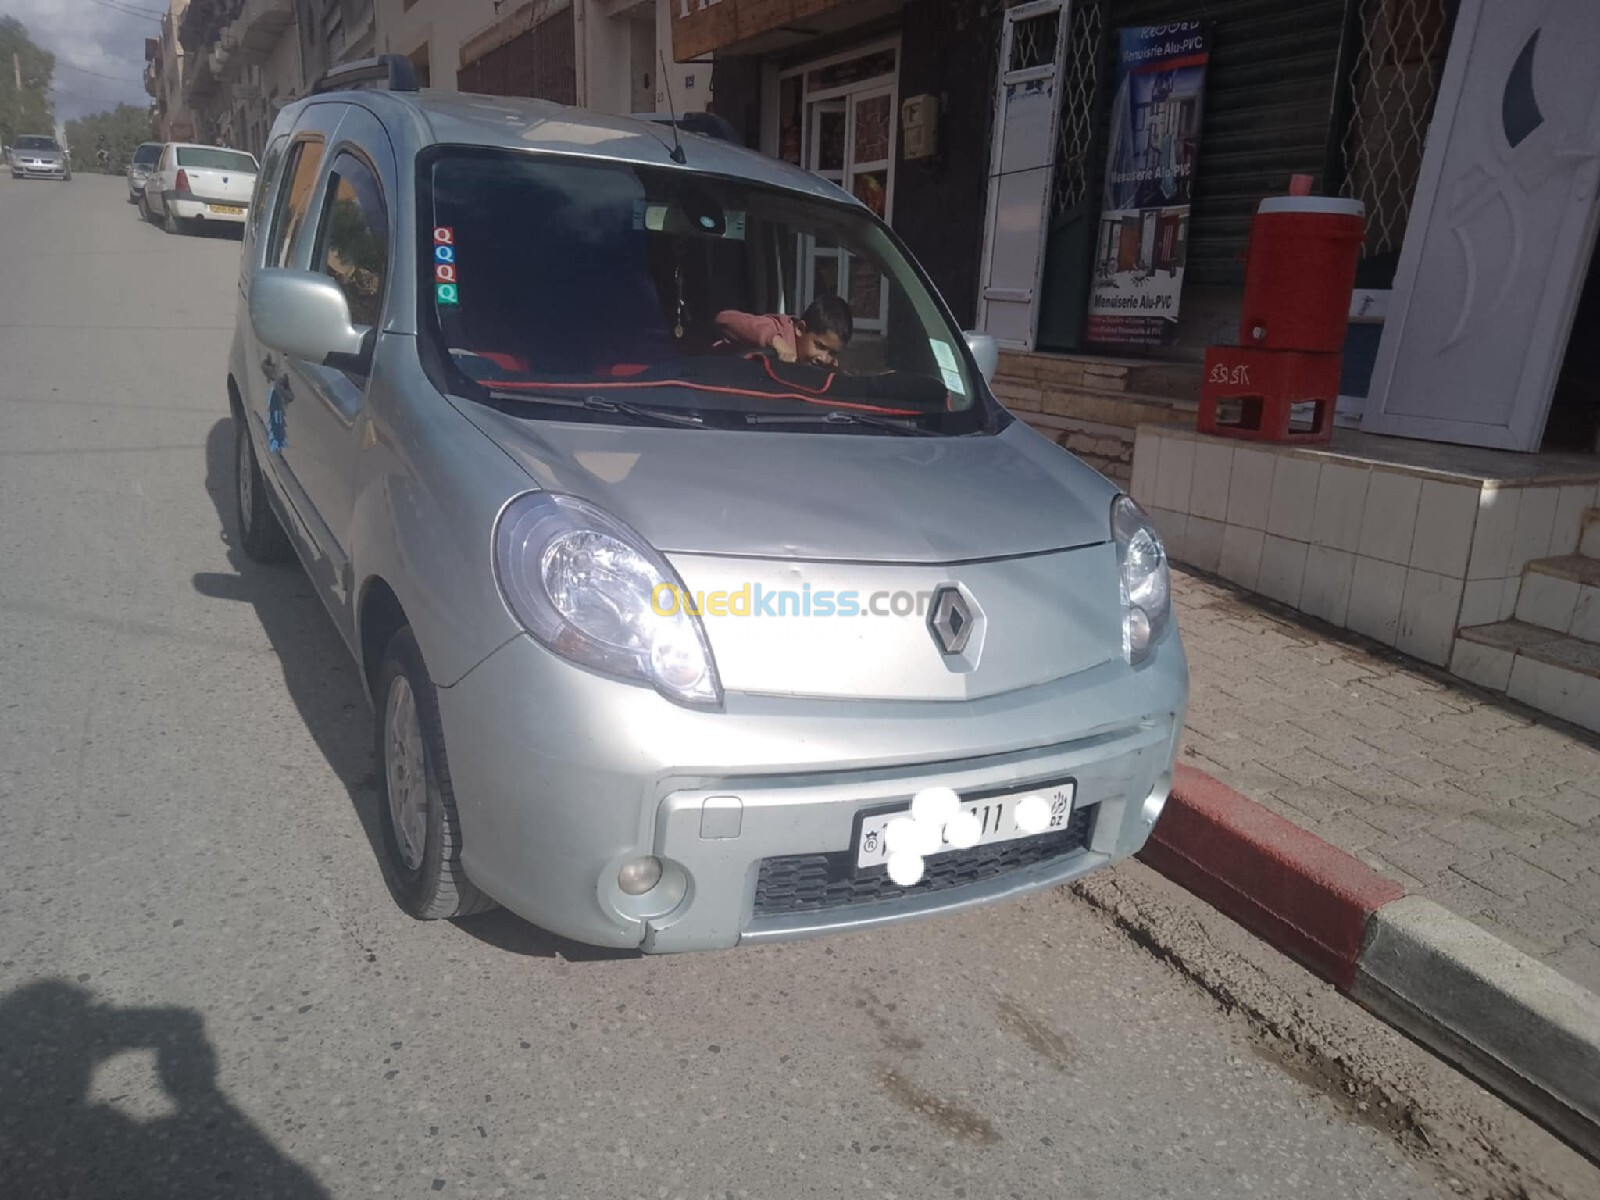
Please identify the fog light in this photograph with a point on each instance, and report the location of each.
(639, 876)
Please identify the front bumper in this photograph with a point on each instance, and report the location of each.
(34, 170)
(190, 209)
(561, 777)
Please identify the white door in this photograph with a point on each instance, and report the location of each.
(1021, 171)
(851, 142)
(1501, 231)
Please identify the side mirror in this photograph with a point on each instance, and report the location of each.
(304, 315)
(986, 353)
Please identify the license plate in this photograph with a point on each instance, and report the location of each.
(996, 816)
(231, 209)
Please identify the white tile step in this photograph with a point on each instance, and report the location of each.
(1578, 568)
(1589, 533)
(1553, 672)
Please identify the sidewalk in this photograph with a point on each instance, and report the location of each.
(1482, 806)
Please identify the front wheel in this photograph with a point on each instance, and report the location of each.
(421, 832)
(260, 533)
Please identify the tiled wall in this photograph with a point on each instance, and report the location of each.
(1403, 556)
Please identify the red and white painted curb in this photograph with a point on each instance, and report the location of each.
(1515, 1025)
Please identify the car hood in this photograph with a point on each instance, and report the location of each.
(818, 496)
(42, 155)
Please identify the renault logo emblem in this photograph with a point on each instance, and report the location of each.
(950, 619)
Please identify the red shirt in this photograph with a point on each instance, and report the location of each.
(756, 332)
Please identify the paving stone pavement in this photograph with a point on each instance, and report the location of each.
(1478, 803)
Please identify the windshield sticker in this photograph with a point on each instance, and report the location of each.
(444, 266)
(949, 367)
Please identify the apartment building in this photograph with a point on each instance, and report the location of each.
(224, 68)
(163, 76)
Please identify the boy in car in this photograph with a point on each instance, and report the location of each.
(816, 339)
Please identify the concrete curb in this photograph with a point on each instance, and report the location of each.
(1517, 1027)
(1308, 898)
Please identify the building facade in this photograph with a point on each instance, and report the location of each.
(826, 86)
(246, 59)
(164, 78)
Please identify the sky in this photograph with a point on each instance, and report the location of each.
(99, 49)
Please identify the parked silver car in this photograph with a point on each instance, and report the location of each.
(144, 161)
(704, 593)
(39, 156)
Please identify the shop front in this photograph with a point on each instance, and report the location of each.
(1456, 517)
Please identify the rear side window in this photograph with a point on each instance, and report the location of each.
(294, 199)
(211, 159)
(353, 243)
(270, 163)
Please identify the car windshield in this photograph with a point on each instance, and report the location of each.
(217, 160)
(36, 143)
(562, 284)
(147, 155)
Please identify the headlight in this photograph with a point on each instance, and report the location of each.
(585, 586)
(1145, 580)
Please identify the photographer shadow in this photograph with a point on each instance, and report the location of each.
(57, 1139)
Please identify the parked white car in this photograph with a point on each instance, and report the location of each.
(194, 183)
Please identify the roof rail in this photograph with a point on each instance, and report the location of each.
(395, 70)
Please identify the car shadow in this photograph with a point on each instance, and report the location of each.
(222, 231)
(58, 1137)
(321, 677)
(324, 683)
(507, 931)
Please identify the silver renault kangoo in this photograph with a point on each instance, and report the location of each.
(703, 591)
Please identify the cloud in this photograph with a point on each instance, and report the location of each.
(99, 50)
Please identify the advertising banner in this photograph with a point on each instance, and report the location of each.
(1144, 220)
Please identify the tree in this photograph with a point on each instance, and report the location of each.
(118, 132)
(24, 108)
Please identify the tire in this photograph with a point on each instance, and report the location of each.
(144, 209)
(261, 535)
(170, 221)
(417, 799)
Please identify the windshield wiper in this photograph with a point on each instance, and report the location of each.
(605, 404)
(840, 417)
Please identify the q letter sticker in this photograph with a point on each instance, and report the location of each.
(445, 280)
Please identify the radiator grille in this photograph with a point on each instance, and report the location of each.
(801, 883)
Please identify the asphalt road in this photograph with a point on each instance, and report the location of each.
(205, 989)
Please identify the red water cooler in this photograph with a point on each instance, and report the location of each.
(1281, 382)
